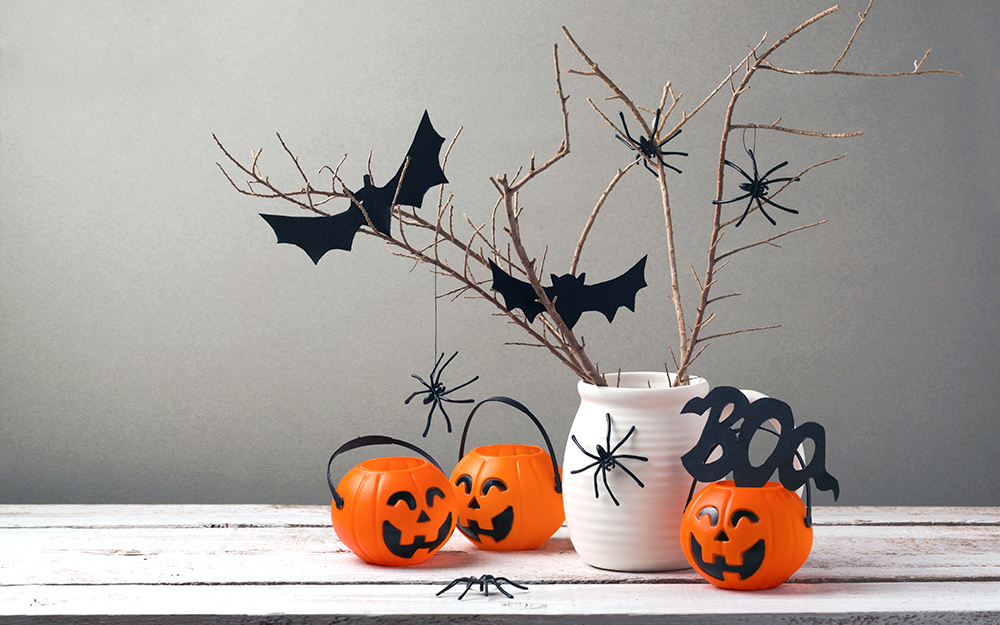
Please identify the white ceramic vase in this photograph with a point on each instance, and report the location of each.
(640, 532)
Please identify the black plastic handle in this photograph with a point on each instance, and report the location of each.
(364, 441)
(518, 405)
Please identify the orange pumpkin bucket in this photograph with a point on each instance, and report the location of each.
(392, 511)
(509, 496)
(749, 533)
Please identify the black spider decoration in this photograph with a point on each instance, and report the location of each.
(484, 585)
(606, 460)
(648, 146)
(756, 187)
(437, 393)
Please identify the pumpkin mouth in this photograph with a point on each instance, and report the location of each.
(752, 559)
(393, 539)
(502, 524)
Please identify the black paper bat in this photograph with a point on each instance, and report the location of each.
(570, 295)
(319, 235)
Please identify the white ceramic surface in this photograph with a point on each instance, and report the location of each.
(641, 533)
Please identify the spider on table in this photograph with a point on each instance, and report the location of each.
(756, 187)
(649, 147)
(606, 459)
(484, 585)
(437, 393)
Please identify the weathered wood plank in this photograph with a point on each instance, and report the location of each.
(932, 565)
(962, 600)
(281, 516)
(114, 555)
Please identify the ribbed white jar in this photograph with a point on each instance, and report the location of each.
(641, 533)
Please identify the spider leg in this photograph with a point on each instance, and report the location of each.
(774, 169)
(764, 212)
(420, 379)
(450, 586)
(668, 165)
(445, 413)
(672, 135)
(753, 159)
(608, 416)
(656, 125)
(597, 493)
(509, 596)
(789, 179)
(427, 428)
(414, 394)
(623, 140)
(441, 370)
(645, 163)
(468, 585)
(735, 199)
(632, 457)
(632, 475)
(507, 581)
(739, 169)
(586, 453)
(625, 127)
(745, 212)
(776, 205)
(613, 498)
(452, 390)
(436, 363)
(592, 464)
(622, 441)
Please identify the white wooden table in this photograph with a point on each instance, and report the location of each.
(284, 565)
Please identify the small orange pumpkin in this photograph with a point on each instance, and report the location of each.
(745, 538)
(510, 496)
(392, 511)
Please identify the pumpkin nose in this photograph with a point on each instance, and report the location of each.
(474, 504)
(722, 538)
(423, 518)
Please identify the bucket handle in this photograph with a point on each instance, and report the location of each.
(364, 441)
(519, 406)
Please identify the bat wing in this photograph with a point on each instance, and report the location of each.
(424, 170)
(607, 297)
(516, 293)
(318, 235)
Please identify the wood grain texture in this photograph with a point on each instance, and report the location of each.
(167, 562)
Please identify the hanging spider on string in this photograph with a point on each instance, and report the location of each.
(756, 187)
(606, 459)
(648, 148)
(437, 393)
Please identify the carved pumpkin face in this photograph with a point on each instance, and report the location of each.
(506, 497)
(397, 510)
(745, 538)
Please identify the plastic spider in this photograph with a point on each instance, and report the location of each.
(437, 393)
(648, 146)
(484, 585)
(756, 188)
(606, 460)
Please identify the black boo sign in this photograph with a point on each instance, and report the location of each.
(734, 437)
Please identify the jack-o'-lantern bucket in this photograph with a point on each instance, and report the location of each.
(392, 511)
(509, 496)
(750, 533)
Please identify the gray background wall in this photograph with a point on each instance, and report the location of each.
(157, 346)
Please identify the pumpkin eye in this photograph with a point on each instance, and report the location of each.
(433, 492)
(465, 480)
(739, 515)
(493, 483)
(411, 501)
(713, 514)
